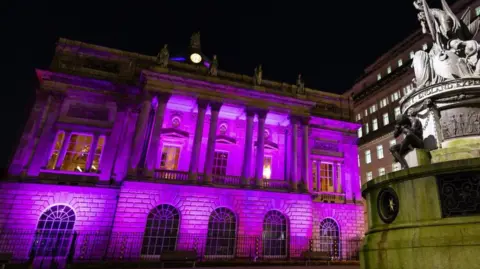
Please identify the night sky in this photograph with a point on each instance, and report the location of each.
(328, 42)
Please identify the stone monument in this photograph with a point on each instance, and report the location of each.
(427, 215)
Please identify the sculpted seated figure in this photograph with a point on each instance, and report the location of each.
(412, 128)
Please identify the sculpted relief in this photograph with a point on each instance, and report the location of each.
(460, 122)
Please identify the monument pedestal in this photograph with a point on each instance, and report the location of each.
(417, 157)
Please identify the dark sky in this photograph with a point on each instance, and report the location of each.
(329, 42)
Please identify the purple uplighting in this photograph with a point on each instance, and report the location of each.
(193, 168)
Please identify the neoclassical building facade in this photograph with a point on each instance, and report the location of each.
(128, 155)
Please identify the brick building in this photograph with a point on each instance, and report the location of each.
(127, 155)
(376, 97)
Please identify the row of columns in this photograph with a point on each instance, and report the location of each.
(151, 160)
(64, 148)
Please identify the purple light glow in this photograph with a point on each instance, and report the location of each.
(178, 59)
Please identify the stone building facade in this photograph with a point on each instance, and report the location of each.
(127, 155)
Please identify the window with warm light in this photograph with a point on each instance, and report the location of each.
(386, 119)
(220, 161)
(170, 157)
(368, 157)
(56, 150)
(380, 151)
(267, 167)
(381, 171)
(77, 152)
(326, 177)
(374, 124)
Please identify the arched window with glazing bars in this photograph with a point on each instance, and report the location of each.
(161, 231)
(222, 233)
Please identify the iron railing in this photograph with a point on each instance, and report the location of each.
(97, 246)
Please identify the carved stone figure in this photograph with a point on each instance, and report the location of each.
(212, 71)
(257, 77)
(412, 128)
(195, 40)
(163, 56)
(300, 85)
(454, 53)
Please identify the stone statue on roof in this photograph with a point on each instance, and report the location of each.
(212, 71)
(195, 40)
(454, 53)
(163, 56)
(257, 77)
(300, 85)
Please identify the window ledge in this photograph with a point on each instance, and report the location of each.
(69, 177)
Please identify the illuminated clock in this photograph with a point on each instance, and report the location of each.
(195, 58)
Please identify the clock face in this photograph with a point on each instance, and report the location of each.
(195, 58)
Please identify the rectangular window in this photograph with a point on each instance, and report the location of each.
(358, 117)
(373, 108)
(412, 53)
(396, 167)
(366, 128)
(267, 167)
(384, 102)
(379, 76)
(326, 177)
(369, 176)
(379, 151)
(56, 150)
(170, 156)
(220, 160)
(366, 112)
(389, 70)
(393, 142)
(477, 11)
(400, 62)
(381, 171)
(425, 46)
(359, 132)
(77, 151)
(386, 119)
(368, 157)
(396, 111)
(374, 124)
(395, 96)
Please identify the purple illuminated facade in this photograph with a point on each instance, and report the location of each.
(118, 145)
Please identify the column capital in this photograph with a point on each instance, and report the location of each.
(261, 113)
(250, 111)
(162, 97)
(202, 103)
(215, 106)
(295, 119)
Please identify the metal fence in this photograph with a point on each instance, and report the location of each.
(89, 247)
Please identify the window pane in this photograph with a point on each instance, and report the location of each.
(77, 153)
(98, 154)
(267, 167)
(56, 150)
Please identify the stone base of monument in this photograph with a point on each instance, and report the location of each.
(417, 157)
(424, 217)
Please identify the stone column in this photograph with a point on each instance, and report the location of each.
(319, 177)
(140, 134)
(341, 184)
(260, 148)
(212, 136)
(63, 150)
(247, 152)
(153, 148)
(91, 153)
(305, 156)
(47, 135)
(197, 140)
(294, 156)
(335, 176)
(285, 156)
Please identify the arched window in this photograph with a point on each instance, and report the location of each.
(161, 231)
(222, 230)
(54, 232)
(274, 234)
(330, 237)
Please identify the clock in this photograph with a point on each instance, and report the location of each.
(195, 58)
